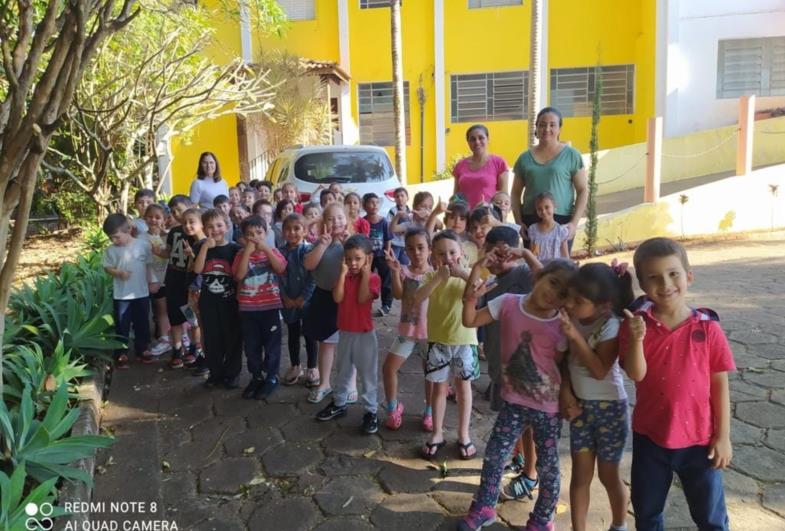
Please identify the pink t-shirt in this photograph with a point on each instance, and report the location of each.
(413, 316)
(531, 349)
(673, 406)
(475, 185)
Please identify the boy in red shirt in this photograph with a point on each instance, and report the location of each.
(679, 359)
(354, 292)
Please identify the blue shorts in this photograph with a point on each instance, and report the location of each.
(602, 428)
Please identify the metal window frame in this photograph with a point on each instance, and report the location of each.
(482, 4)
(751, 66)
(312, 3)
(374, 4)
(375, 108)
(488, 96)
(572, 90)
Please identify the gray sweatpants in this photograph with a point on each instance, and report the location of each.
(360, 350)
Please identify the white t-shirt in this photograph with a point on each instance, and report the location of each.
(159, 263)
(203, 191)
(587, 387)
(134, 258)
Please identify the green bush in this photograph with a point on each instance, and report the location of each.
(12, 505)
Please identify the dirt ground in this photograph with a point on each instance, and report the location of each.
(47, 252)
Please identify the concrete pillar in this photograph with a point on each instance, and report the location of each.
(651, 188)
(744, 141)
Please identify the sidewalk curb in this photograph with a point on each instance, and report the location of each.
(91, 392)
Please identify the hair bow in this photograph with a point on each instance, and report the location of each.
(620, 268)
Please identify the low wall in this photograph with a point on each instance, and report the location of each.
(734, 204)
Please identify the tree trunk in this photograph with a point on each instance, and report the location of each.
(535, 58)
(398, 103)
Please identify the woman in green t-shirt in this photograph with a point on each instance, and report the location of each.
(550, 166)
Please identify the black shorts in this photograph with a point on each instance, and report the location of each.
(160, 294)
(175, 299)
(321, 316)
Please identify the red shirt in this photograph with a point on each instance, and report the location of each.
(361, 226)
(298, 208)
(352, 315)
(673, 406)
(259, 290)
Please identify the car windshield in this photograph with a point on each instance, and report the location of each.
(344, 167)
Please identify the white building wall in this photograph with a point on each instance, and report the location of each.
(694, 29)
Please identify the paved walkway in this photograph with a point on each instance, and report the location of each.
(210, 460)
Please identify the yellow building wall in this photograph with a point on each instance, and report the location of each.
(227, 32)
(314, 39)
(218, 136)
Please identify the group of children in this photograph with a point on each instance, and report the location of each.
(557, 337)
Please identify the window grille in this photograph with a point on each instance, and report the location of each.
(377, 123)
(490, 96)
(572, 90)
(751, 66)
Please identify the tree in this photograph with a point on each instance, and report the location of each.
(398, 103)
(594, 147)
(156, 81)
(535, 58)
(45, 49)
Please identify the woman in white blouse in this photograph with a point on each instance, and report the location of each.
(208, 183)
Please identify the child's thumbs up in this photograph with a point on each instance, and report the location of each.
(637, 325)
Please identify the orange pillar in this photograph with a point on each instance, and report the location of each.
(651, 188)
(744, 141)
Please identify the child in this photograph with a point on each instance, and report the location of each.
(351, 205)
(264, 209)
(297, 287)
(313, 225)
(325, 198)
(283, 209)
(129, 262)
(320, 322)
(600, 417)
(547, 239)
(256, 271)
(179, 251)
(218, 302)
(221, 204)
(235, 196)
(354, 293)
(155, 217)
(502, 202)
(532, 346)
(412, 330)
(380, 240)
(481, 220)
(265, 190)
(679, 359)
(237, 214)
(402, 211)
(423, 205)
(142, 199)
(289, 191)
(450, 350)
(249, 198)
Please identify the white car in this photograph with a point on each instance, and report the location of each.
(359, 169)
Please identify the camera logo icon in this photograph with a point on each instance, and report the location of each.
(34, 511)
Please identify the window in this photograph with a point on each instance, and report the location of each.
(376, 113)
(298, 9)
(751, 66)
(474, 4)
(572, 90)
(368, 4)
(355, 166)
(493, 96)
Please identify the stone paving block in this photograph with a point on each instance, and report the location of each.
(349, 495)
(455, 503)
(774, 498)
(290, 513)
(776, 439)
(408, 511)
(677, 513)
(771, 351)
(759, 462)
(399, 476)
(307, 429)
(347, 465)
(176, 486)
(753, 517)
(292, 459)
(743, 433)
(192, 456)
(770, 379)
(778, 365)
(741, 391)
(236, 406)
(226, 476)
(778, 396)
(355, 444)
(762, 414)
(274, 415)
(739, 488)
(173, 433)
(194, 412)
(219, 428)
(188, 514)
(752, 337)
(345, 524)
(219, 524)
(261, 440)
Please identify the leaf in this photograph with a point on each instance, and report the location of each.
(258, 480)
(249, 450)
(165, 466)
(347, 502)
(50, 383)
(369, 454)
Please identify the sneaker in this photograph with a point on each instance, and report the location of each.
(252, 387)
(267, 388)
(386, 309)
(382, 311)
(177, 358)
(312, 378)
(515, 465)
(427, 422)
(477, 519)
(189, 358)
(394, 418)
(292, 375)
(370, 423)
(161, 347)
(534, 526)
(520, 487)
(317, 395)
(331, 411)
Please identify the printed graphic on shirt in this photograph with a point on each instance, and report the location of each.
(176, 241)
(377, 237)
(217, 278)
(260, 288)
(522, 374)
(410, 313)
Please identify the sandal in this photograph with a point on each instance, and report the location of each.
(430, 450)
(467, 450)
(312, 378)
(292, 376)
(317, 395)
(122, 361)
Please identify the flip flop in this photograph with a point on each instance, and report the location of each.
(430, 450)
(468, 450)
